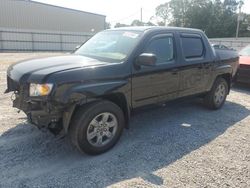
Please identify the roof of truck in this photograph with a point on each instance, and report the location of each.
(155, 28)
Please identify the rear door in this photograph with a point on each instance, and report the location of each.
(152, 84)
(195, 64)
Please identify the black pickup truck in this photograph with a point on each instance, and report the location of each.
(91, 93)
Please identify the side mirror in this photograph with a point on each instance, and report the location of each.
(146, 59)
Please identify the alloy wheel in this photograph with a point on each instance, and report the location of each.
(102, 129)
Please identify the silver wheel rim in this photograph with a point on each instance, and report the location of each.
(102, 129)
(219, 95)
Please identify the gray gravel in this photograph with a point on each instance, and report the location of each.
(180, 145)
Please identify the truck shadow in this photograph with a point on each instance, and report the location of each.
(157, 137)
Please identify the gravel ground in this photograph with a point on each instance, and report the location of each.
(180, 145)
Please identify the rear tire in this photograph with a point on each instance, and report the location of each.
(217, 95)
(97, 127)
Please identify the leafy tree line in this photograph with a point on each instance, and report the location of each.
(215, 17)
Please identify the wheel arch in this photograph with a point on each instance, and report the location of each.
(120, 100)
(117, 98)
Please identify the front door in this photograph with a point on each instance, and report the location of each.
(152, 84)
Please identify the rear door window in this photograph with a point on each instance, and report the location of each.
(192, 47)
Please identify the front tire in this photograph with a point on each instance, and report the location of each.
(97, 127)
(217, 95)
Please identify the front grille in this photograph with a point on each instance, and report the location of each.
(12, 85)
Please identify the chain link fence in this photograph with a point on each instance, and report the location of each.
(11, 40)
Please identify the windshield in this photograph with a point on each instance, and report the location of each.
(110, 45)
(245, 51)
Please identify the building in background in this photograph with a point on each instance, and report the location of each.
(34, 26)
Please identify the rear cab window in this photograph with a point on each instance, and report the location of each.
(192, 46)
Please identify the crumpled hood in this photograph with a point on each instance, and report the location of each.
(39, 68)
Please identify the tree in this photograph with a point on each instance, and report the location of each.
(245, 26)
(179, 10)
(120, 25)
(217, 18)
(163, 12)
(149, 24)
(137, 23)
(231, 5)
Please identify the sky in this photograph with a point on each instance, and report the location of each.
(123, 11)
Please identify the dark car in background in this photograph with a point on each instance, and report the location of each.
(243, 74)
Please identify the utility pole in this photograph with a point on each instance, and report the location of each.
(239, 19)
(141, 14)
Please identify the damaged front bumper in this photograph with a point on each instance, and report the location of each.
(40, 112)
(44, 112)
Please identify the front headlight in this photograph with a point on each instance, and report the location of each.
(40, 89)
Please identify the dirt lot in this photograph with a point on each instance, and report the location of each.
(179, 145)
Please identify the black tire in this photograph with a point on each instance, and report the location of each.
(210, 100)
(80, 123)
